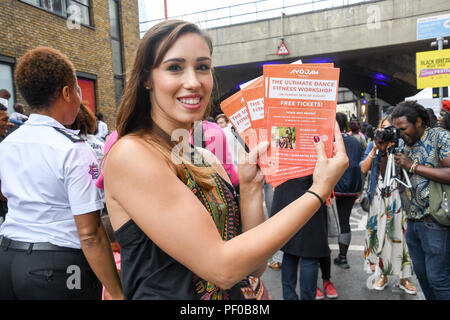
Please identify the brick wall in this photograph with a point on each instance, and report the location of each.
(23, 26)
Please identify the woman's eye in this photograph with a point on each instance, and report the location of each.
(204, 67)
(174, 67)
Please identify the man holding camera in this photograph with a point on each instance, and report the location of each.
(425, 154)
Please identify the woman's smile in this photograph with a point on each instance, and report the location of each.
(191, 102)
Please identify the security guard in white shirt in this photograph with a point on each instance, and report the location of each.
(52, 243)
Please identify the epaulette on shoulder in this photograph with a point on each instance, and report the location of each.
(70, 135)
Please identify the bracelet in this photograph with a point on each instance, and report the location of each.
(413, 167)
(318, 197)
(371, 156)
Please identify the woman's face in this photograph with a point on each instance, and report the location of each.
(180, 87)
(3, 122)
(441, 117)
(73, 104)
(385, 123)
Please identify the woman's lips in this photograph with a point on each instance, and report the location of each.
(191, 103)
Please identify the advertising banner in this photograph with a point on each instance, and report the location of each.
(433, 69)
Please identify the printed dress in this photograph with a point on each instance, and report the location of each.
(224, 209)
(385, 246)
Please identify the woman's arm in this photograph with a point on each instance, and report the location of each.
(2, 197)
(369, 155)
(251, 200)
(148, 191)
(97, 250)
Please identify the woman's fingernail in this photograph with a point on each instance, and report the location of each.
(316, 139)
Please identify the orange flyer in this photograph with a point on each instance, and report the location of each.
(287, 106)
(300, 101)
(235, 108)
(254, 97)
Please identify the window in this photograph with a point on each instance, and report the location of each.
(7, 80)
(119, 87)
(78, 10)
(87, 87)
(116, 48)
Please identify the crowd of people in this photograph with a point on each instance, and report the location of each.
(189, 215)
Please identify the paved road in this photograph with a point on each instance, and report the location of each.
(350, 283)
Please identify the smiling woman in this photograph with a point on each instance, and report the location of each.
(182, 232)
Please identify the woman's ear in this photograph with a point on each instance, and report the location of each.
(65, 93)
(148, 85)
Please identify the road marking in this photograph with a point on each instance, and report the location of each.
(358, 219)
(351, 248)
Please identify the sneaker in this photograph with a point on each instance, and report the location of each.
(381, 283)
(341, 262)
(274, 265)
(407, 286)
(330, 290)
(319, 295)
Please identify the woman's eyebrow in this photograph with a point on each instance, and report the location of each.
(173, 60)
(181, 60)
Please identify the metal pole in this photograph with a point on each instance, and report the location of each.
(282, 23)
(165, 9)
(440, 42)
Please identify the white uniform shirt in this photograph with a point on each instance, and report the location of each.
(18, 116)
(96, 144)
(102, 130)
(47, 178)
(233, 144)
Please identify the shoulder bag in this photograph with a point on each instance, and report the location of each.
(332, 217)
(438, 200)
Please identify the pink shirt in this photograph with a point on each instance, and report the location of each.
(108, 144)
(216, 142)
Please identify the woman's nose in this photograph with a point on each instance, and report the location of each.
(191, 80)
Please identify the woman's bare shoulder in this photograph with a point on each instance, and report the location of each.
(136, 155)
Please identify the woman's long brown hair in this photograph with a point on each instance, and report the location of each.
(134, 112)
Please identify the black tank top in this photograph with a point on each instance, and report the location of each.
(148, 273)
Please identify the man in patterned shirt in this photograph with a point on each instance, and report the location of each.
(425, 153)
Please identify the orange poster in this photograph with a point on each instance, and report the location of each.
(300, 101)
(235, 108)
(254, 97)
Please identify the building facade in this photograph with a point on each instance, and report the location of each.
(99, 36)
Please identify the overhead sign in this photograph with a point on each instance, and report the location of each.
(433, 27)
(433, 69)
(282, 49)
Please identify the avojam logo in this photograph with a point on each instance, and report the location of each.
(304, 72)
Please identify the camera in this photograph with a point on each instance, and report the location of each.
(387, 134)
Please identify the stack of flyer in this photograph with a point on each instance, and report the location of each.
(287, 106)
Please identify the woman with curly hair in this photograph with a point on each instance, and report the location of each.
(385, 250)
(86, 123)
(53, 244)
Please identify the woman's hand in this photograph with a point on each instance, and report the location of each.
(382, 145)
(249, 174)
(328, 171)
